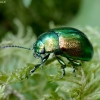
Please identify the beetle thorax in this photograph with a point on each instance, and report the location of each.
(50, 41)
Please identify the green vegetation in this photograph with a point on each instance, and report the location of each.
(45, 83)
(21, 22)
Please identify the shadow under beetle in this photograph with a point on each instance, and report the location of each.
(65, 41)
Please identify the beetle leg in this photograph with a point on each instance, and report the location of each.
(63, 65)
(44, 58)
(74, 64)
(36, 66)
(74, 71)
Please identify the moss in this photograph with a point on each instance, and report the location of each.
(45, 83)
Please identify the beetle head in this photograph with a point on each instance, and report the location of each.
(38, 48)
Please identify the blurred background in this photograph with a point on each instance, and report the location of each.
(21, 22)
(40, 14)
(37, 14)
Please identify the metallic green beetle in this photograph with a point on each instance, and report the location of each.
(65, 41)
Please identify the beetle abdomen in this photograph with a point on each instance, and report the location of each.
(74, 48)
(70, 46)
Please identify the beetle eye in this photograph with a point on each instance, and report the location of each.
(42, 51)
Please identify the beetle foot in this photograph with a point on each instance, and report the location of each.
(74, 71)
(63, 73)
(33, 70)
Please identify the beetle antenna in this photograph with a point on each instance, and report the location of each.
(15, 46)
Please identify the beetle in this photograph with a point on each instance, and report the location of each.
(67, 42)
